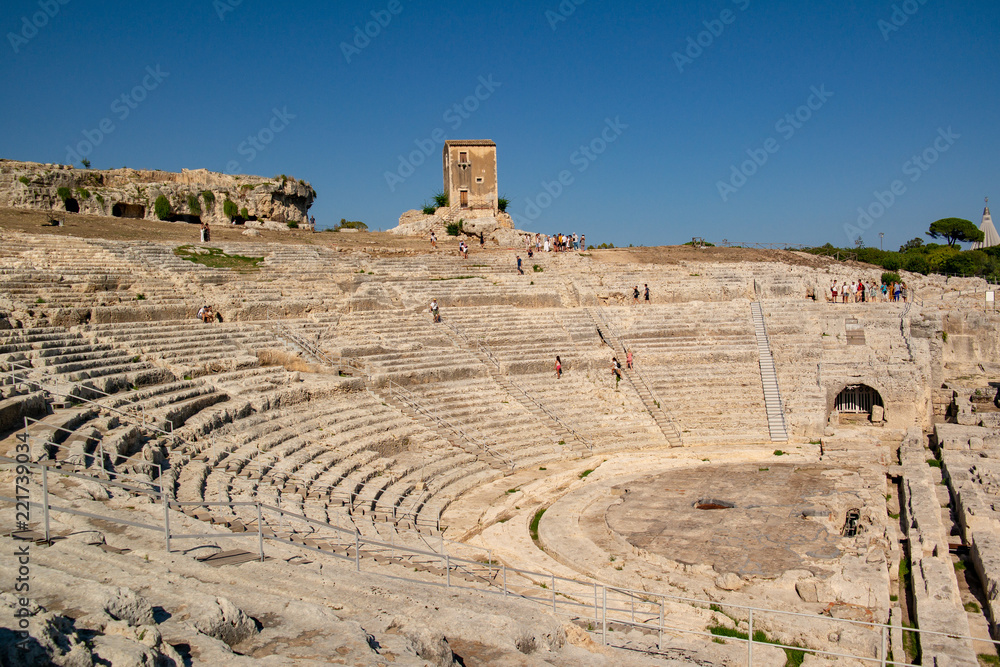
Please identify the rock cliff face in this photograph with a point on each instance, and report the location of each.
(497, 229)
(193, 195)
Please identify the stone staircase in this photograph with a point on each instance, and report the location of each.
(769, 379)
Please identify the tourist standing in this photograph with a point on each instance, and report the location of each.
(583, 241)
(616, 371)
(434, 240)
(635, 295)
(435, 312)
(628, 359)
(645, 293)
(558, 367)
(833, 291)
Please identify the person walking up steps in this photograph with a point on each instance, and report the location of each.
(519, 268)
(628, 359)
(645, 293)
(558, 367)
(635, 295)
(616, 370)
(434, 240)
(434, 311)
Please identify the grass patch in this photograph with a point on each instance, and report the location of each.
(585, 473)
(793, 656)
(762, 469)
(972, 607)
(23, 179)
(542, 468)
(893, 598)
(533, 526)
(893, 515)
(778, 452)
(214, 258)
(815, 442)
(514, 490)
(537, 269)
(988, 659)
(934, 463)
(959, 566)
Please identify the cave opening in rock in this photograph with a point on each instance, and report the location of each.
(124, 210)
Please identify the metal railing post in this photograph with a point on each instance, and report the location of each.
(659, 640)
(604, 617)
(883, 653)
(597, 607)
(750, 639)
(505, 579)
(45, 500)
(165, 495)
(357, 550)
(260, 533)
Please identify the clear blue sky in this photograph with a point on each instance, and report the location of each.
(674, 128)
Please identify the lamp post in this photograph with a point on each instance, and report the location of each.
(880, 235)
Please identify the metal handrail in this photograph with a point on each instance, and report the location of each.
(143, 421)
(634, 372)
(408, 398)
(481, 346)
(604, 614)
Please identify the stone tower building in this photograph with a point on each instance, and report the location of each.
(470, 177)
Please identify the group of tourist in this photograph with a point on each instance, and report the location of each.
(858, 292)
(555, 243)
(645, 294)
(207, 315)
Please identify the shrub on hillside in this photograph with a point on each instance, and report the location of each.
(162, 207)
(209, 198)
(194, 205)
(230, 209)
(454, 228)
(64, 193)
(890, 277)
(441, 199)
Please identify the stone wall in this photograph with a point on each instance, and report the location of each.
(133, 192)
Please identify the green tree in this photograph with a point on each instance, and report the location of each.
(953, 230)
(911, 244)
(162, 207)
